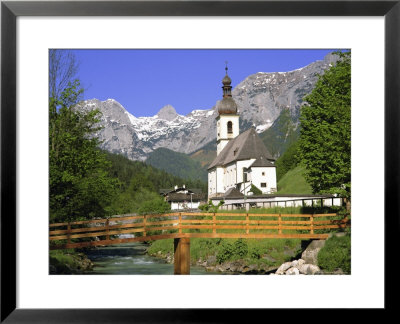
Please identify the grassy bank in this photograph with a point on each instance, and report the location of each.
(68, 262)
(336, 254)
(294, 182)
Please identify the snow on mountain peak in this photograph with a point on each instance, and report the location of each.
(260, 98)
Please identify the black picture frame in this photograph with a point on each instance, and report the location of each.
(10, 10)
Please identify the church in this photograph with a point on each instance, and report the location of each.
(242, 159)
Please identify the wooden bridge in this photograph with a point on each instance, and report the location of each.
(183, 226)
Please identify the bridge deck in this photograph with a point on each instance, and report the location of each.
(190, 225)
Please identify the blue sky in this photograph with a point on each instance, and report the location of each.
(144, 81)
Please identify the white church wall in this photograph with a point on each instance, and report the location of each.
(220, 180)
(266, 175)
(240, 165)
(212, 182)
(229, 176)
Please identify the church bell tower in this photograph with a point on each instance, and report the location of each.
(228, 119)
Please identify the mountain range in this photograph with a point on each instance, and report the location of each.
(263, 100)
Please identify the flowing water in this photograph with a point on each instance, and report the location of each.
(131, 258)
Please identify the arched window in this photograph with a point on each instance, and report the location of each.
(230, 131)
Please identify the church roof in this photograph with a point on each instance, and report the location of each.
(262, 162)
(243, 147)
(233, 193)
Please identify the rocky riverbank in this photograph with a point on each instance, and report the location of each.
(297, 267)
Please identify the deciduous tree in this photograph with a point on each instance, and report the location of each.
(80, 185)
(324, 145)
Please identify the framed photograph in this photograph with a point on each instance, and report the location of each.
(29, 29)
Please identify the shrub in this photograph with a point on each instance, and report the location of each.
(336, 254)
(230, 251)
(209, 207)
(226, 251)
(241, 248)
(256, 252)
(203, 207)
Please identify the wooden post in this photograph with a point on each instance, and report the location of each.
(312, 224)
(214, 224)
(247, 223)
(180, 223)
(280, 224)
(144, 225)
(107, 229)
(182, 255)
(69, 233)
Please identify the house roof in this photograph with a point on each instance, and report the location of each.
(167, 191)
(243, 147)
(185, 197)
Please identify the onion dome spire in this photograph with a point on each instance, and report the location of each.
(226, 81)
(227, 105)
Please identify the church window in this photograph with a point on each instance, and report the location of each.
(263, 173)
(263, 185)
(230, 131)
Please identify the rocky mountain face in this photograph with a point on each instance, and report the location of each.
(261, 98)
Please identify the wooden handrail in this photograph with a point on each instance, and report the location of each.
(209, 225)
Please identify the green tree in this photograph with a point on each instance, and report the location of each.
(287, 161)
(325, 130)
(139, 199)
(80, 185)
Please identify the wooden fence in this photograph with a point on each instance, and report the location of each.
(186, 225)
(251, 202)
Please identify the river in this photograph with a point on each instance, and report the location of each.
(131, 258)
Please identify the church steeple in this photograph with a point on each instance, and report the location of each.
(227, 120)
(227, 105)
(226, 81)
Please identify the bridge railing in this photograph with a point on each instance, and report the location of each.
(208, 225)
